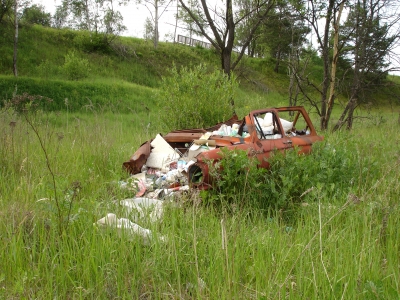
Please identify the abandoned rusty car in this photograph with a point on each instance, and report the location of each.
(180, 157)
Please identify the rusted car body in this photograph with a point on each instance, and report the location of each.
(259, 134)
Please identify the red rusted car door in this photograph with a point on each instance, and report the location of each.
(280, 129)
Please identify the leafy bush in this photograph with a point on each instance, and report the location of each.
(76, 68)
(333, 172)
(94, 42)
(236, 177)
(193, 98)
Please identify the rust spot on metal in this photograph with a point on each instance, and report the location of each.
(138, 159)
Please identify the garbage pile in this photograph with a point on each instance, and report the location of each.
(163, 174)
(162, 178)
(165, 170)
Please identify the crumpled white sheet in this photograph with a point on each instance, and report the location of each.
(128, 227)
(267, 125)
(143, 207)
(136, 208)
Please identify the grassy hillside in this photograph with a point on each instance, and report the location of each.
(42, 50)
(116, 74)
(123, 75)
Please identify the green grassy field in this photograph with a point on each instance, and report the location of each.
(60, 171)
(344, 247)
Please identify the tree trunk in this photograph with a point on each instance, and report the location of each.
(353, 102)
(253, 49)
(332, 96)
(15, 70)
(325, 58)
(278, 60)
(223, 39)
(176, 19)
(347, 114)
(87, 17)
(226, 61)
(156, 38)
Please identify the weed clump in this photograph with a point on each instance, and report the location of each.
(26, 103)
(76, 68)
(212, 93)
(328, 172)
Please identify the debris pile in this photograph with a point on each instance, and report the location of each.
(160, 174)
(164, 173)
(162, 177)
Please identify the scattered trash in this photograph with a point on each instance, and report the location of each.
(167, 166)
(125, 226)
(143, 207)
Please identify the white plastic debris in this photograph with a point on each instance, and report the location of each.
(273, 137)
(125, 225)
(226, 130)
(287, 126)
(268, 120)
(161, 154)
(206, 136)
(181, 164)
(173, 175)
(187, 166)
(139, 208)
(267, 126)
(139, 176)
(193, 153)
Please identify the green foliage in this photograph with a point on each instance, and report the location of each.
(333, 171)
(5, 9)
(236, 176)
(193, 98)
(46, 69)
(330, 171)
(36, 14)
(76, 68)
(93, 42)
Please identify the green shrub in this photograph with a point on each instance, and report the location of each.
(93, 42)
(236, 177)
(76, 68)
(330, 172)
(195, 97)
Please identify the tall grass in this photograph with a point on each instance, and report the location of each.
(345, 247)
